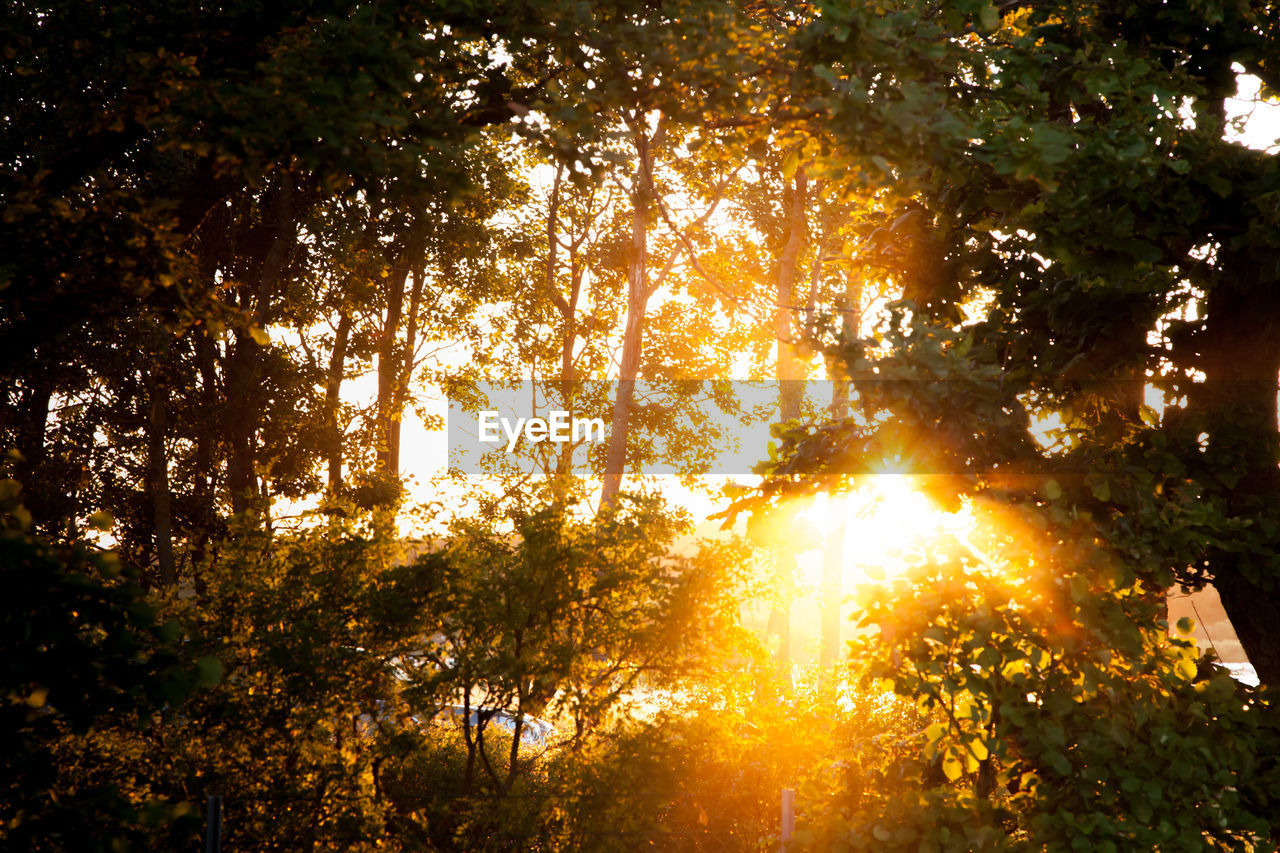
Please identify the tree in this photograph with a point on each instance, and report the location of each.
(1003, 132)
(1008, 130)
(95, 656)
(565, 617)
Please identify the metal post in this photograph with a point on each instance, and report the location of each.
(213, 825)
(788, 816)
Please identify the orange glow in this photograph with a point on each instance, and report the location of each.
(887, 525)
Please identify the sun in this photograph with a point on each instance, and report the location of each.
(883, 525)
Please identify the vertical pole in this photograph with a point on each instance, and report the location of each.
(788, 816)
(213, 825)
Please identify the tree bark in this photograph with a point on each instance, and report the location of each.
(158, 476)
(336, 371)
(833, 557)
(790, 371)
(404, 368)
(244, 364)
(240, 423)
(32, 425)
(389, 370)
(332, 400)
(206, 512)
(1237, 402)
(569, 316)
(633, 334)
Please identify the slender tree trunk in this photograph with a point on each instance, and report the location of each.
(833, 558)
(242, 388)
(790, 391)
(206, 479)
(244, 364)
(405, 369)
(158, 468)
(333, 399)
(568, 374)
(336, 371)
(389, 374)
(569, 316)
(633, 334)
(32, 425)
(513, 755)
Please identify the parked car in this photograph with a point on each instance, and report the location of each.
(533, 731)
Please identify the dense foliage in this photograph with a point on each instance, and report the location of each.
(244, 244)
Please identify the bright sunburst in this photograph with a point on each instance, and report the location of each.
(885, 522)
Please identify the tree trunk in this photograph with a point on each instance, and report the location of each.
(569, 335)
(206, 512)
(404, 367)
(158, 477)
(633, 334)
(332, 400)
(790, 391)
(244, 364)
(32, 425)
(242, 386)
(568, 374)
(834, 555)
(336, 371)
(389, 375)
(1241, 360)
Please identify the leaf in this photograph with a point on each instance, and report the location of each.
(988, 18)
(208, 671)
(1014, 667)
(790, 163)
(1052, 143)
(1186, 668)
(1058, 762)
(259, 335)
(1052, 490)
(9, 490)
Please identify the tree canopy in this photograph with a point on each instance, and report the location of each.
(247, 248)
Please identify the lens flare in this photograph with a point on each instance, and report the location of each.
(884, 525)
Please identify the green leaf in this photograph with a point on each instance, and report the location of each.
(988, 18)
(208, 671)
(1058, 762)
